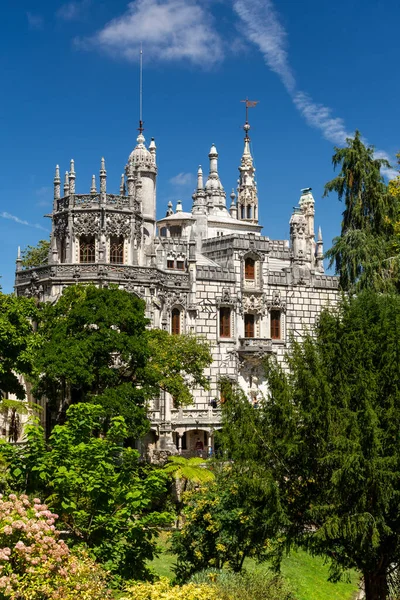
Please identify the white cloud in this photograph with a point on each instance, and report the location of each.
(72, 11)
(6, 215)
(260, 25)
(182, 179)
(44, 195)
(170, 30)
(34, 21)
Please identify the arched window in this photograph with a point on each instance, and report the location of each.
(176, 321)
(242, 212)
(275, 324)
(117, 249)
(249, 268)
(87, 249)
(175, 231)
(249, 212)
(249, 325)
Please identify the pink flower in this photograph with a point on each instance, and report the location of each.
(8, 530)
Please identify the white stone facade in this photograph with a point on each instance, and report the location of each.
(208, 272)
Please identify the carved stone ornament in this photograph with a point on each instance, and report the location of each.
(118, 224)
(254, 303)
(61, 226)
(170, 299)
(226, 299)
(276, 302)
(86, 223)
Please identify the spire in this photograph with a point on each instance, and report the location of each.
(216, 197)
(122, 185)
(200, 184)
(319, 254)
(72, 177)
(66, 184)
(57, 183)
(103, 177)
(247, 205)
(93, 189)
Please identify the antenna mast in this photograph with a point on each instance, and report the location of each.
(141, 128)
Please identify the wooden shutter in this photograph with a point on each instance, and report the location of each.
(275, 324)
(249, 268)
(249, 326)
(176, 322)
(225, 322)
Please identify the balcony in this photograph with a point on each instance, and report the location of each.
(254, 346)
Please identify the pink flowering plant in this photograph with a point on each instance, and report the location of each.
(34, 562)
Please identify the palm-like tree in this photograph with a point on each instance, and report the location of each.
(187, 470)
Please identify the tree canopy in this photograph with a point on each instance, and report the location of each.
(98, 348)
(328, 436)
(36, 256)
(364, 252)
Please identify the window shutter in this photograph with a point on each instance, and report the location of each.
(225, 322)
(176, 322)
(275, 325)
(249, 326)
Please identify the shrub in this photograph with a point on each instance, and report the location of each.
(245, 586)
(163, 590)
(34, 563)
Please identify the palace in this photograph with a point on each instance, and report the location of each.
(209, 272)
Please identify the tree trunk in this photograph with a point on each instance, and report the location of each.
(376, 585)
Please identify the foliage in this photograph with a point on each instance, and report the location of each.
(17, 342)
(34, 563)
(98, 349)
(328, 435)
(106, 501)
(394, 184)
(177, 364)
(163, 590)
(36, 256)
(363, 254)
(246, 586)
(225, 522)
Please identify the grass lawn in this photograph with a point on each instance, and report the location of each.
(307, 575)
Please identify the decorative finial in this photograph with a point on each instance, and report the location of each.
(122, 185)
(103, 176)
(319, 234)
(233, 196)
(57, 184)
(249, 104)
(93, 189)
(72, 177)
(141, 128)
(57, 175)
(200, 183)
(178, 206)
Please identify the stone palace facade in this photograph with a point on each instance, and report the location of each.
(208, 272)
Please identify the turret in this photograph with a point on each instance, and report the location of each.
(216, 197)
(142, 167)
(199, 195)
(72, 177)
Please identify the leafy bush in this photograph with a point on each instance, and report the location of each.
(34, 563)
(163, 590)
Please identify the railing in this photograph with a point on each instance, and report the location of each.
(250, 345)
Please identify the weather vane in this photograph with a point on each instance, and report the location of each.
(249, 104)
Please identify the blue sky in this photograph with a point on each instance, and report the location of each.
(69, 75)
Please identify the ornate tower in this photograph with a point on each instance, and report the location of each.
(247, 202)
(215, 193)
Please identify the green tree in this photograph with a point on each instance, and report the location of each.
(17, 342)
(36, 256)
(106, 500)
(98, 349)
(362, 253)
(225, 522)
(328, 436)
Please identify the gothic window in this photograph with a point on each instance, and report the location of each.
(180, 265)
(275, 324)
(249, 212)
(225, 322)
(87, 249)
(249, 325)
(117, 249)
(175, 231)
(249, 268)
(176, 321)
(242, 212)
(170, 264)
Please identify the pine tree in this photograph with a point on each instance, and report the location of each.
(328, 436)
